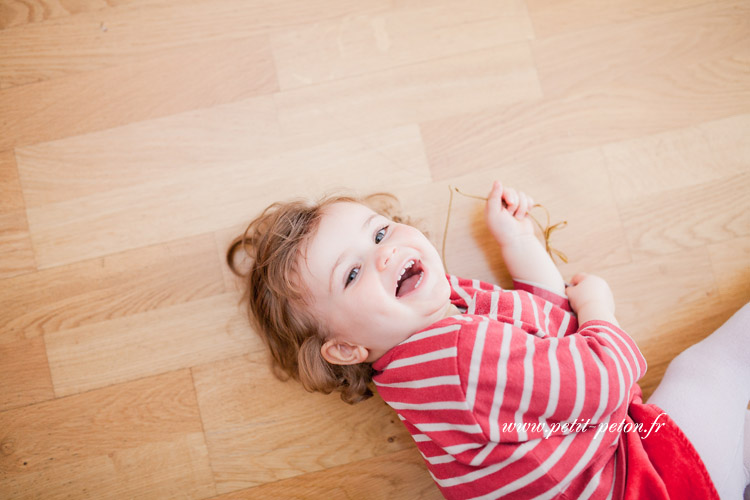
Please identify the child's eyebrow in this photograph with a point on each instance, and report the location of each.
(341, 257)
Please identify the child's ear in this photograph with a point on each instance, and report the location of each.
(343, 353)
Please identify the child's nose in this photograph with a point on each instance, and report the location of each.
(385, 254)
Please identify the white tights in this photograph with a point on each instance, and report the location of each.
(706, 390)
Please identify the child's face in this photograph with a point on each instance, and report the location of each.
(354, 266)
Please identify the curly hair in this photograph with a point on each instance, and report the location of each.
(276, 297)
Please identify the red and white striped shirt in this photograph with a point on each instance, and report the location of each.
(513, 399)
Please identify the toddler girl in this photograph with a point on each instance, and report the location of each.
(523, 393)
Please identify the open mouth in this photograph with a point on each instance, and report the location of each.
(411, 277)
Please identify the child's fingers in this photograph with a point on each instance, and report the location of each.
(523, 206)
(577, 278)
(494, 200)
(510, 196)
(497, 190)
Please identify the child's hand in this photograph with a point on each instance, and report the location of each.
(591, 298)
(506, 212)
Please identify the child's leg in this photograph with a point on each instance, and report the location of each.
(706, 390)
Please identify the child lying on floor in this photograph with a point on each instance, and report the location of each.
(523, 393)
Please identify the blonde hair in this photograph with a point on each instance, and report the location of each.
(276, 297)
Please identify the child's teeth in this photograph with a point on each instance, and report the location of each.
(407, 266)
(421, 275)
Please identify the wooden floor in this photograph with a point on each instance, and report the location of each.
(137, 137)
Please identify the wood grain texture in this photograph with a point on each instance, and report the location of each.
(10, 185)
(20, 12)
(24, 374)
(126, 33)
(407, 94)
(686, 37)
(146, 344)
(100, 450)
(697, 216)
(356, 45)
(15, 242)
(652, 166)
(567, 16)
(162, 149)
(149, 87)
(240, 141)
(261, 430)
(731, 264)
(139, 137)
(401, 474)
(107, 288)
(626, 109)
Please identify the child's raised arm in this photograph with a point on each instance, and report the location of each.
(523, 253)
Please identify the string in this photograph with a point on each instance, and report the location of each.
(546, 230)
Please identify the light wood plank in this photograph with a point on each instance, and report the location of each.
(397, 475)
(148, 87)
(24, 374)
(695, 217)
(179, 468)
(149, 343)
(21, 12)
(406, 34)
(260, 429)
(567, 16)
(731, 264)
(64, 480)
(689, 157)
(12, 196)
(418, 92)
(140, 439)
(172, 469)
(126, 33)
(145, 411)
(626, 109)
(195, 203)
(162, 149)
(108, 288)
(224, 238)
(682, 38)
(15, 243)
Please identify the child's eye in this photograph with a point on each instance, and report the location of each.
(380, 234)
(351, 276)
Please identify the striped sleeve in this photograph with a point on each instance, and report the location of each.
(543, 293)
(523, 385)
(534, 309)
(423, 385)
